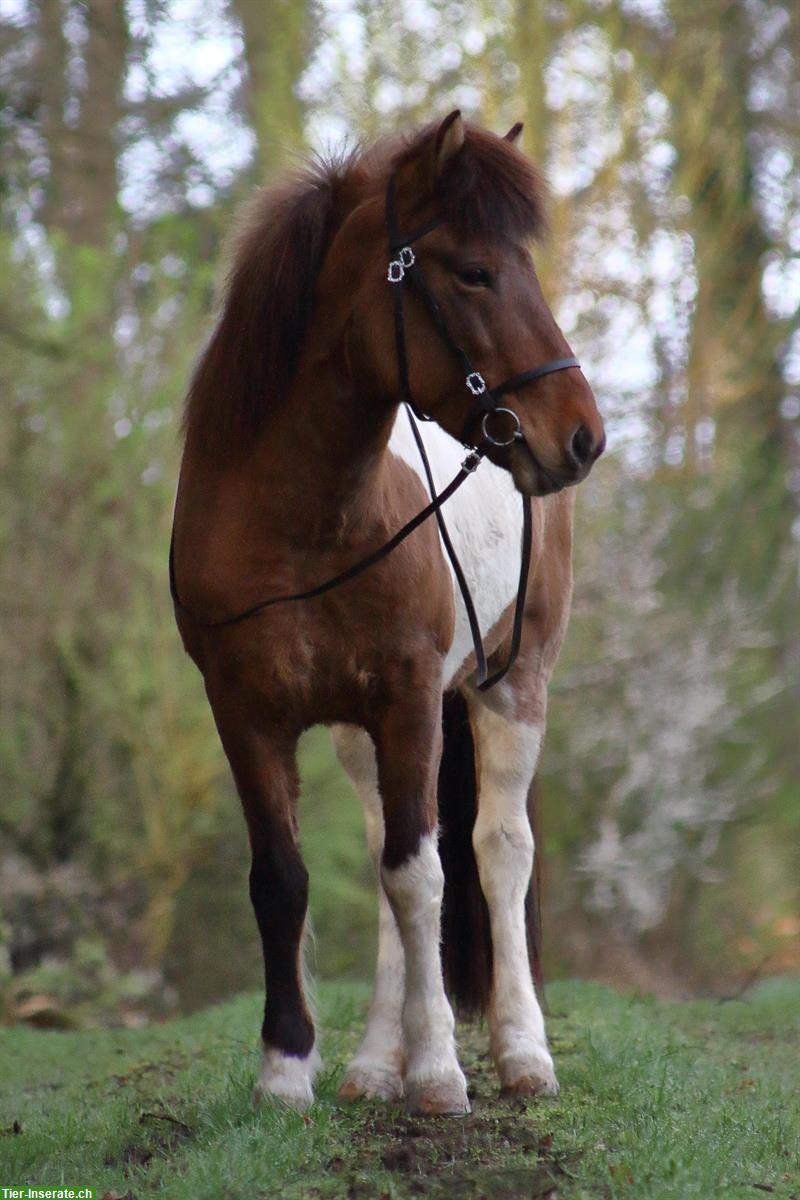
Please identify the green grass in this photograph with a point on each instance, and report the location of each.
(658, 1100)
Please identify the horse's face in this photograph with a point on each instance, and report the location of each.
(485, 284)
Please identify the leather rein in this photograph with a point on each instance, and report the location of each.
(404, 267)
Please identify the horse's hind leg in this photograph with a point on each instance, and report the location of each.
(508, 750)
(266, 777)
(377, 1068)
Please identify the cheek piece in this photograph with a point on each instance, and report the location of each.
(485, 411)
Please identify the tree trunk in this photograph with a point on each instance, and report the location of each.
(80, 126)
(277, 47)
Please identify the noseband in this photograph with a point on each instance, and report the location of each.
(404, 266)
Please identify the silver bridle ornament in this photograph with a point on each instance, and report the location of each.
(476, 383)
(398, 266)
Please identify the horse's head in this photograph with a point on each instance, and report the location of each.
(477, 265)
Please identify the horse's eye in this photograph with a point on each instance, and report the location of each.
(475, 277)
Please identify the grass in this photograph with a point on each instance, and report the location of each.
(658, 1100)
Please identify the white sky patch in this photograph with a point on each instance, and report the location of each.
(225, 143)
(192, 43)
(577, 82)
(420, 17)
(14, 12)
(791, 365)
(780, 284)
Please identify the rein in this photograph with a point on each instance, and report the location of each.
(404, 266)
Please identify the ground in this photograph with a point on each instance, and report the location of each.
(658, 1100)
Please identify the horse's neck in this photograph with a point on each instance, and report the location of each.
(328, 451)
(317, 479)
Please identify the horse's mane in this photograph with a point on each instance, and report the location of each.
(248, 364)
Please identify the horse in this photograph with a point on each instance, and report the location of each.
(301, 462)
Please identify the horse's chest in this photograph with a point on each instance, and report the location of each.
(484, 520)
(333, 661)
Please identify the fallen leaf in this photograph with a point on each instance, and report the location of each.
(43, 1012)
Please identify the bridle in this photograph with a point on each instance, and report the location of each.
(403, 267)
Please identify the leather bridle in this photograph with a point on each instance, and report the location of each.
(404, 267)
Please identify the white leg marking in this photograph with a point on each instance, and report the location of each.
(287, 1078)
(434, 1080)
(508, 751)
(377, 1068)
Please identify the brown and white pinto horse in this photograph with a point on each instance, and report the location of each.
(298, 463)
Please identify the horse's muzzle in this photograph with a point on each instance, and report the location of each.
(532, 478)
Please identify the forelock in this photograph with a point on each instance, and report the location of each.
(489, 188)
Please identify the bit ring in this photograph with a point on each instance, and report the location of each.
(498, 441)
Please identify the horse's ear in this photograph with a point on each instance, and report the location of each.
(421, 168)
(447, 143)
(513, 133)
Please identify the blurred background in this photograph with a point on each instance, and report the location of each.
(670, 783)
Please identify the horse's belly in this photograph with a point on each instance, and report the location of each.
(484, 520)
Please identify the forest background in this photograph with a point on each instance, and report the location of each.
(670, 783)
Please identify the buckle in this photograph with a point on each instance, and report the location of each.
(398, 266)
(472, 461)
(476, 383)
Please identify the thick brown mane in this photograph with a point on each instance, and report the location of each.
(248, 364)
(252, 354)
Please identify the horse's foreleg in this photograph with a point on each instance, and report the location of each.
(409, 747)
(266, 777)
(377, 1068)
(508, 751)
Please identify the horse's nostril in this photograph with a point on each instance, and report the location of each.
(581, 447)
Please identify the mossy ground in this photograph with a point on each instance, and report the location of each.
(658, 1100)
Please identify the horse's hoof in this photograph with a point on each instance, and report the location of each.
(445, 1099)
(528, 1079)
(371, 1083)
(298, 1100)
(529, 1086)
(286, 1079)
